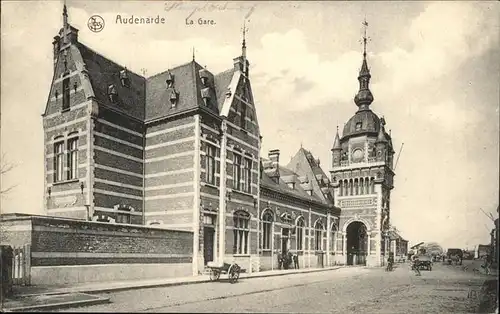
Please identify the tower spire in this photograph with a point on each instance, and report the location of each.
(336, 142)
(65, 15)
(244, 47)
(364, 97)
(193, 55)
(243, 44)
(65, 23)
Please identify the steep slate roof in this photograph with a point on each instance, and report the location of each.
(104, 72)
(304, 164)
(221, 82)
(187, 83)
(282, 187)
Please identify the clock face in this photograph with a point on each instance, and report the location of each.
(357, 155)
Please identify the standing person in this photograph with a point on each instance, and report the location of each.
(414, 265)
(390, 262)
(487, 263)
(280, 260)
(288, 259)
(295, 261)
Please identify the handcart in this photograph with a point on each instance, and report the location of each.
(232, 271)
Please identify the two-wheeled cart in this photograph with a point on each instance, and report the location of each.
(232, 271)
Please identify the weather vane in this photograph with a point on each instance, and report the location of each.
(365, 38)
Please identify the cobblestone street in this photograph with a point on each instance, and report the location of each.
(445, 289)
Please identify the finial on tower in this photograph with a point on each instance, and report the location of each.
(193, 55)
(365, 38)
(243, 43)
(65, 15)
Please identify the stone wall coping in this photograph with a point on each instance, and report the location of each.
(22, 216)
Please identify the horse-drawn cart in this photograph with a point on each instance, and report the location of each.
(232, 271)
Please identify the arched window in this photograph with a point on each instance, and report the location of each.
(318, 236)
(341, 188)
(241, 232)
(361, 186)
(267, 228)
(333, 236)
(350, 187)
(299, 231)
(372, 185)
(366, 187)
(356, 187)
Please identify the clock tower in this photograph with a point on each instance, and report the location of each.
(362, 176)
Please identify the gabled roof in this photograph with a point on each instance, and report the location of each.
(282, 187)
(304, 164)
(103, 72)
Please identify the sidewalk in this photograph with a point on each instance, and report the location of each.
(99, 287)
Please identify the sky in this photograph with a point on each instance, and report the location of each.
(435, 79)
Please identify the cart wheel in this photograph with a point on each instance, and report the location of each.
(214, 275)
(234, 273)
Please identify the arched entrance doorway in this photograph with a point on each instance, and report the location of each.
(357, 243)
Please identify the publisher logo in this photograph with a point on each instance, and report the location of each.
(95, 23)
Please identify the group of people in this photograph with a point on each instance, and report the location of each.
(285, 260)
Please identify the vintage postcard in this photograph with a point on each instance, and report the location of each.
(267, 156)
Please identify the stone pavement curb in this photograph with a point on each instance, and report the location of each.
(58, 305)
(169, 282)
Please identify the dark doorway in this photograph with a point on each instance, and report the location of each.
(208, 244)
(285, 236)
(357, 243)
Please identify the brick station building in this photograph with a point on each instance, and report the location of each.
(125, 149)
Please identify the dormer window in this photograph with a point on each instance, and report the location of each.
(124, 78)
(174, 97)
(170, 79)
(291, 185)
(358, 126)
(204, 77)
(112, 93)
(205, 94)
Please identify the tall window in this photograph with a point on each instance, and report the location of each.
(300, 234)
(237, 172)
(267, 223)
(241, 232)
(318, 232)
(243, 115)
(65, 94)
(72, 158)
(247, 175)
(58, 161)
(210, 166)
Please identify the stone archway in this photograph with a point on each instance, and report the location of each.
(357, 243)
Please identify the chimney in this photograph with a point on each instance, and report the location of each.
(239, 63)
(274, 156)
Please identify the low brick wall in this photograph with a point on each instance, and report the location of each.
(69, 250)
